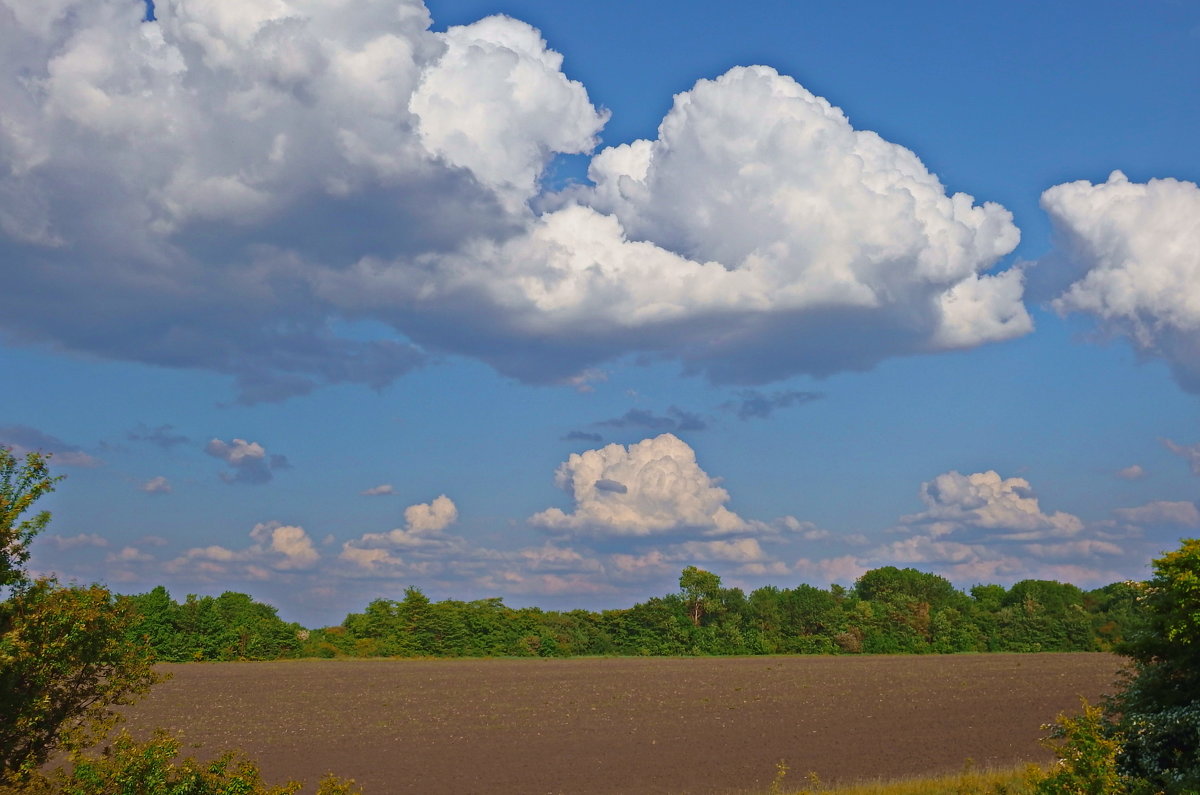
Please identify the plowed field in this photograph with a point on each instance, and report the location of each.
(622, 725)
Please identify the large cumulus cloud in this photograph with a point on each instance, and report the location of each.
(223, 187)
(652, 487)
(168, 189)
(1128, 254)
(760, 235)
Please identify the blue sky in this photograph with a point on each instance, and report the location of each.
(579, 300)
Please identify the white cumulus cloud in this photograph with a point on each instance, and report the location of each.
(652, 487)
(984, 503)
(277, 548)
(421, 537)
(1131, 254)
(224, 185)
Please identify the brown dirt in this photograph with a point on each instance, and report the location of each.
(622, 725)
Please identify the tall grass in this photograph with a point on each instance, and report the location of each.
(1011, 781)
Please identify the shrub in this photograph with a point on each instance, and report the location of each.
(151, 768)
(1087, 750)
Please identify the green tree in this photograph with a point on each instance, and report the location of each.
(701, 592)
(65, 657)
(22, 482)
(1159, 709)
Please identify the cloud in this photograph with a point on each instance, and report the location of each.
(752, 403)
(759, 236)
(129, 555)
(844, 569)
(985, 528)
(222, 189)
(1161, 512)
(582, 382)
(62, 543)
(22, 439)
(162, 435)
(156, 485)
(249, 462)
(1188, 452)
(422, 536)
(1129, 255)
(676, 420)
(663, 490)
(383, 489)
(171, 191)
(583, 436)
(985, 505)
(1132, 472)
(277, 548)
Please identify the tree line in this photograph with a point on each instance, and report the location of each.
(889, 610)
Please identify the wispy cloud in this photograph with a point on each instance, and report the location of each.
(676, 420)
(157, 485)
(1188, 452)
(22, 439)
(753, 404)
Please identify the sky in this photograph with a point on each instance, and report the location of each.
(321, 299)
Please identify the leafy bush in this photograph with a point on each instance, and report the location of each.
(150, 768)
(1087, 749)
(64, 656)
(1159, 709)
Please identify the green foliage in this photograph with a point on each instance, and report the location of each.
(889, 611)
(1087, 749)
(21, 484)
(701, 592)
(151, 768)
(1159, 709)
(231, 626)
(64, 661)
(64, 656)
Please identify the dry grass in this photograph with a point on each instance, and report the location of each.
(1011, 781)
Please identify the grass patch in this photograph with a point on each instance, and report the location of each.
(1011, 781)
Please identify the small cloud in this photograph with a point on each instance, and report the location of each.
(1188, 452)
(583, 436)
(676, 420)
(806, 530)
(276, 547)
(604, 484)
(1161, 512)
(582, 382)
(382, 490)
(422, 532)
(156, 485)
(753, 404)
(162, 435)
(248, 461)
(1134, 472)
(21, 439)
(62, 543)
(128, 555)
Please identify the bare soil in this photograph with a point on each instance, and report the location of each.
(704, 725)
